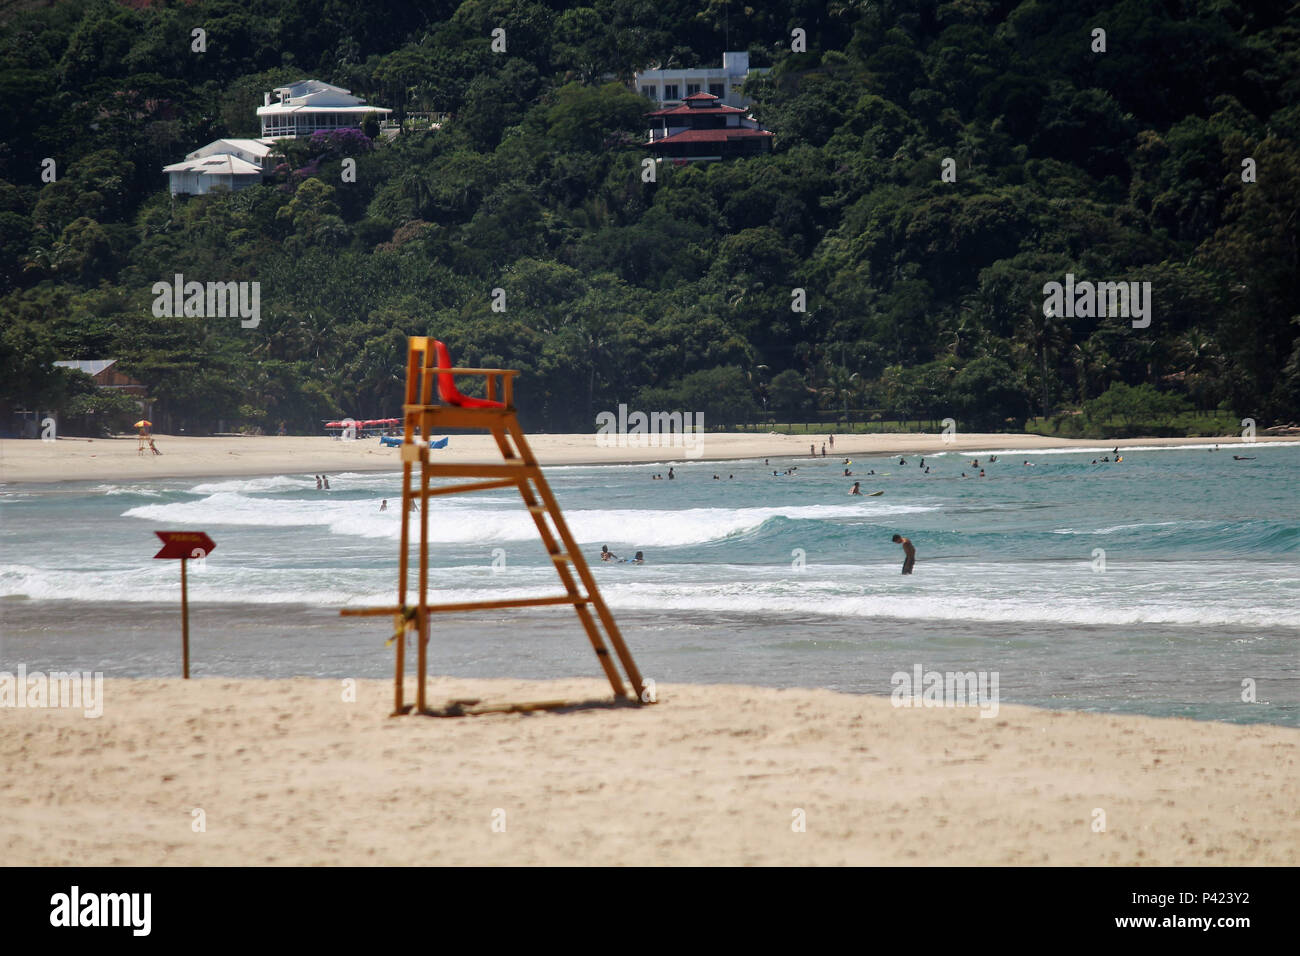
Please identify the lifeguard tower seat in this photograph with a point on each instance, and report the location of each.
(428, 361)
(447, 390)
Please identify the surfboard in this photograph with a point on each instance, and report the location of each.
(874, 494)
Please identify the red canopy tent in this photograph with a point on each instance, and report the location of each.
(360, 424)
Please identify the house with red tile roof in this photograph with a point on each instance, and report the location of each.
(702, 129)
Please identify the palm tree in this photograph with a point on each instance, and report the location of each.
(1202, 363)
(968, 146)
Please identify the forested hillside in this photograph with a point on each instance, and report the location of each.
(924, 297)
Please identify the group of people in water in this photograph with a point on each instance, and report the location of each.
(609, 557)
(909, 549)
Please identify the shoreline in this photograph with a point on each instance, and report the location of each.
(31, 461)
(290, 772)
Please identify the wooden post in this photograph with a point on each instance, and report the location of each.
(185, 623)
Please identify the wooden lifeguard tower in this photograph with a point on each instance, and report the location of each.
(428, 360)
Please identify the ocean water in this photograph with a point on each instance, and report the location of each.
(779, 580)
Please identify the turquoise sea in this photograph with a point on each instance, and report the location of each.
(779, 580)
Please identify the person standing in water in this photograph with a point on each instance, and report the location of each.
(383, 505)
(909, 553)
(854, 490)
(671, 476)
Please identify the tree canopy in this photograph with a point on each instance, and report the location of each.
(935, 164)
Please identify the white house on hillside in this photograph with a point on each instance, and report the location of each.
(671, 87)
(304, 107)
(232, 164)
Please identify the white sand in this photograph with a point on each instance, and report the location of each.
(285, 772)
(186, 457)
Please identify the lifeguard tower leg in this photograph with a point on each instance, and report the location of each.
(572, 549)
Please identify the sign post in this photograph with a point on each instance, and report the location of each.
(185, 545)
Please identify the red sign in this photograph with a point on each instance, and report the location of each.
(185, 544)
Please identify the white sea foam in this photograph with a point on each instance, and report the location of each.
(457, 522)
(1125, 527)
(1230, 445)
(1054, 606)
(1142, 595)
(139, 490)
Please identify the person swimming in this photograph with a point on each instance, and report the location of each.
(606, 554)
(847, 473)
(855, 489)
(383, 505)
(639, 559)
(1240, 458)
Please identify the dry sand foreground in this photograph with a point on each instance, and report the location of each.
(116, 459)
(286, 773)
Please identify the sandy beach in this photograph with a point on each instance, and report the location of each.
(286, 772)
(117, 459)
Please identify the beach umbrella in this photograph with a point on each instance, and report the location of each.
(143, 423)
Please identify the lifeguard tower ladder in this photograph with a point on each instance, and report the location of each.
(426, 360)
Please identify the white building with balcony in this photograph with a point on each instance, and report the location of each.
(302, 108)
(671, 87)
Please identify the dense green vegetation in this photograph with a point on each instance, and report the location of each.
(924, 297)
